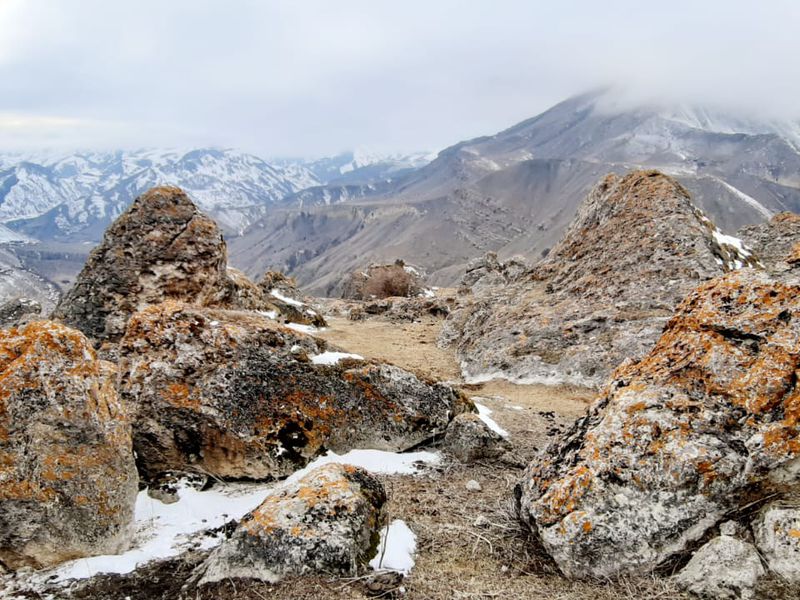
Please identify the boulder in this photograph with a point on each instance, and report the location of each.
(636, 247)
(469, 439)
(777, 536)
(773, 241)
(235, 394)
(18, 312)
(282, 292)
(724, 568)
(327, 522)
(707, 423)
(68, 481)
(161, 248)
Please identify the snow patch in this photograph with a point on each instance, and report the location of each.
(396, 549)
(309, 329)
(286, 299)
(483, 413)
(332, 358)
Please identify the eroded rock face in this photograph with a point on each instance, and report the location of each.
(706, 423)
(235, 394)
(724, 568)
(773, 241)
(161, 248)
(636, 247)
(68, 481)
(469, 439)
(777, 535)
(327, 522)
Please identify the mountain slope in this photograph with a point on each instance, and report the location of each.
(516, 191)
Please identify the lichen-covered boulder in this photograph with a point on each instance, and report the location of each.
(635, 248)
(162, 248)
(469, 439)
(777, 534)
(706, 423)
(726, 568)
(327, 522)
(235, 394)
(68, 481)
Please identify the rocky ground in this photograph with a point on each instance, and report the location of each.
(469, 543)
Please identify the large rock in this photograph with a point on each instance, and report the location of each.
(161, 248)
(777, 535)
(327, 522)
(705, 424)
(235, 394)
(636, 247)
(773, 241)
(725, 568)
(67, 476)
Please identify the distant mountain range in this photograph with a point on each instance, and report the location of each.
(73, 198)
(516, 191)
(513, 192)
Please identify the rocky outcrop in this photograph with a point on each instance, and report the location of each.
(19, 311)
(777, 536)
(327, 522)
(383, 281)
(282, 292)
(161, 248)
(707, 423)
(636, 247)
(773, 241)
(469, 439)
(724, 568)
(68, 481)
(235, 394)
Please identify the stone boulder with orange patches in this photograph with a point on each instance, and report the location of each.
(234, 394)
(162, 248)
(708, 422)
(327, 522)
(635, 248)
(68, 481)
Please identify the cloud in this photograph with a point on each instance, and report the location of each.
(313, 76)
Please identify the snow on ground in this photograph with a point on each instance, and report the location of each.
(396, 549)
(332, 358)
(286, 299)
(270, 314)
(309, 329)
(166, 530)
(483, 413)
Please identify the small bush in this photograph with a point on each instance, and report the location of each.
(390, 281)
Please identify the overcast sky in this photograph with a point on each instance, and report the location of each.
(312, 77)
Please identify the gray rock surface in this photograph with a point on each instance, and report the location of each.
(725, 568)
(68, 481)
(236, 394)
(777, 536)
(327, 522)
(19, 311)
(707, 423)
(469, 439)
(603, 294)
(773, 241)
